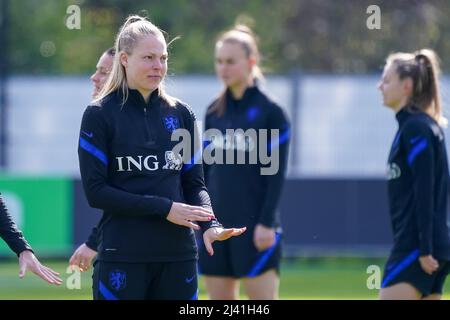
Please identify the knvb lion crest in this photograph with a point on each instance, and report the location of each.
(118, 279)
(171, 123)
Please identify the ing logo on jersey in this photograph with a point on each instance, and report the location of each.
(171, 123)
(117, 279)
(173, 161)
(393, 171)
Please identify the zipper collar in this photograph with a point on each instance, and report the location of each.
(136, 97)
(402, 115)
(408, 111)
(242, 103)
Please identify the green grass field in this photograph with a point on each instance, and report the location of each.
(325, 278)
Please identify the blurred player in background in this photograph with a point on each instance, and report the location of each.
(85, 253)
(240, 194)
(417, 179)
(27, 260)
(102, 70)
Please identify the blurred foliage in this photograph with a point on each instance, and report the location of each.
(311, 35)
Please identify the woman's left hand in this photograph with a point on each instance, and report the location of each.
(428, 264)
(219, 234)
(263, 237)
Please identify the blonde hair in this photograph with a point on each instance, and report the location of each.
(422, 67)
(244, 36)
(134, 28)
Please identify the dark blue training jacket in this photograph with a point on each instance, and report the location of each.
(129, 171)
(240, 194)
(9, 232)
(418, 187)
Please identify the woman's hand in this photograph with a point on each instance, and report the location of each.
(27, 261)
(219, 234)
(263, 237)
(428, 264)
(184, 215)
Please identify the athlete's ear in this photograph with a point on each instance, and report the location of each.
(124, 59)
(252, 61)
(407, 87)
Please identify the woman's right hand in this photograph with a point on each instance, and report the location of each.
(184, 215)
(28, 261)
(82, 257)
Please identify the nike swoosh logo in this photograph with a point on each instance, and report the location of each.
(414, 140)
(189, 280)
(90, 135)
